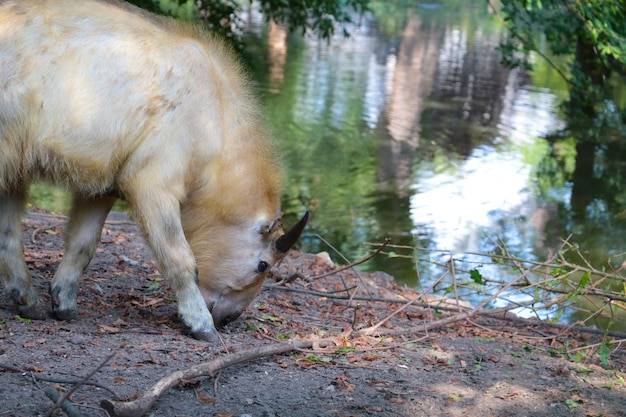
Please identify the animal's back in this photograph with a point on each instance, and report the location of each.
(88, 88)
(110, 101)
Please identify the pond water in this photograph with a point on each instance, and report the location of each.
(410, 129)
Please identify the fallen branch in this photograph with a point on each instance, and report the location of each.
(143, 404)
(67, 407)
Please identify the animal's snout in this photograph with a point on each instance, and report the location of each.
(221, 319)
(224, 311)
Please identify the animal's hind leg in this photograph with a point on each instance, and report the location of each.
(13, 270)
(81, 239)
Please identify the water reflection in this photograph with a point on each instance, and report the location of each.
(419, 135)
(276, 55)
(411, 82)
(457, 200)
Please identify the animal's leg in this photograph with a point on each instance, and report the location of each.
(13, 270)
(82, 235)
(158, 213)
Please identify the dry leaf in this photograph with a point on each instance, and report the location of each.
(206, 400)
(510, 395)
(109, 329)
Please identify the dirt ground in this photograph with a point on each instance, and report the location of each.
(486, 366)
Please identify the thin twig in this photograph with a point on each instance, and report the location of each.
(56, 380)
(64, 397)
(352, 265)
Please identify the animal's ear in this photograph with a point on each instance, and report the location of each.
(286, 241)
(268, 227)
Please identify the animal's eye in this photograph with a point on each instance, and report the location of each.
(262, 267)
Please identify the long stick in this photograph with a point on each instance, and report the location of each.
(143, 404)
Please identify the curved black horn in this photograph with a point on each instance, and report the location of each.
(286, 241)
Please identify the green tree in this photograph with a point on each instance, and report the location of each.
(589, 37)
(221, 16)
(585, 41)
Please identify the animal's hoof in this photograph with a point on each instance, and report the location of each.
(66, 315)
(209, 335)
(34, 312)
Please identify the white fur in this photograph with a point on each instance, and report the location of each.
(108, 100)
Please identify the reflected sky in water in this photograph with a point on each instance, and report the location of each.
(419, 135)
(494, 181)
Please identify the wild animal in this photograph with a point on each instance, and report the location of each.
(112, 102)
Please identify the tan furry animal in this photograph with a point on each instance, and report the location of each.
(110, 101)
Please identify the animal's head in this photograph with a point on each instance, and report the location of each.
(232, 275)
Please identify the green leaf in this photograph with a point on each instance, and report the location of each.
(344, 349)
(23, 319)
(571, 404)
(604, 353)
(318, 359)
(584, 280)
(477, 277)
(270, 318)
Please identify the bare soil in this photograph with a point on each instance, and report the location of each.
(486, 366)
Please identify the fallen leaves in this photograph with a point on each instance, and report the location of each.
(34, 343)
(109, 329)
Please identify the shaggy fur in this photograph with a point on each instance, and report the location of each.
(109, 101)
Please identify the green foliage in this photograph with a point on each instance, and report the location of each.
(584, 280)
(571, 404)
(318, 359)
(604, 353)
(567, 26)
(590, 36)
(320, 16)
(23, 319)
(220, 16)
(477, 277)
(345, 349)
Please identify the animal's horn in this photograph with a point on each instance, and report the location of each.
(286, 241)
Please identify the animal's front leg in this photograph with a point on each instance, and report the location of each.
(13, 270)
(158, 213)
(81, 239)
